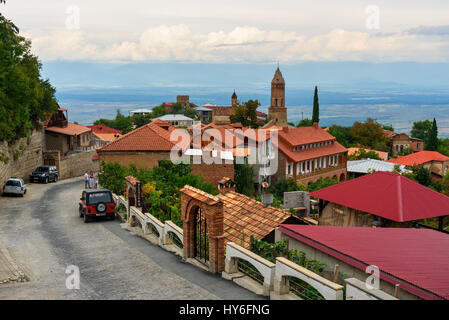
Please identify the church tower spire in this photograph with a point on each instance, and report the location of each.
(277, 110)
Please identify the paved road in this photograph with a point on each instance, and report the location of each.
(44, 234)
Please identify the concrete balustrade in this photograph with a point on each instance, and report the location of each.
(358, 290)
(157, 224)
(285, 268)
(171, 227)
(265, 267)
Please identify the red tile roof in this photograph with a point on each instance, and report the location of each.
(243, 216)
(382, 155)
(389, 134)
(100, 128)
(71, 129)
(307, 135)
(417, 259)
(388, 195)
(154, 136)
(419, 158)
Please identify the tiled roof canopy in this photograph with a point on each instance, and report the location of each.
(244, 217)
(100, 128)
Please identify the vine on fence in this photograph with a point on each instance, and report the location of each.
(270, 251)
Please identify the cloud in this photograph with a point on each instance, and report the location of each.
(430, 30)
(242, 44)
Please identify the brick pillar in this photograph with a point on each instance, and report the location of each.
(216, 241)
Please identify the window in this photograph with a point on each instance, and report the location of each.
(418, 145)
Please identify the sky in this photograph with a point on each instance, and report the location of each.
(243, 31)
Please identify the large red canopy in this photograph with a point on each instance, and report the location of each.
(388, 195)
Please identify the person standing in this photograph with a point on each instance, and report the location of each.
(91, 180)
(86, 180)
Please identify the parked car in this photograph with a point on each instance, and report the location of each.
(15, 186)
(44, 174)
(96, 203)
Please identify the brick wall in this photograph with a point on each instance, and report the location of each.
(213, 172)
(28, 159)
(142, 160)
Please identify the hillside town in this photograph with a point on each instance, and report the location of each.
(192, 200)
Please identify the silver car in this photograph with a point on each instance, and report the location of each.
(15, 186)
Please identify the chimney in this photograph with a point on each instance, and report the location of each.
(285, 129)
(315, 125)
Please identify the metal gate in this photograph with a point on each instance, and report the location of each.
(201, 236)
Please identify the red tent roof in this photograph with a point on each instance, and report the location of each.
(417, 259)
(388, 195)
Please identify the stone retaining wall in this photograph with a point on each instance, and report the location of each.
(22, 157)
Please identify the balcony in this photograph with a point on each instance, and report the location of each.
(319, 171)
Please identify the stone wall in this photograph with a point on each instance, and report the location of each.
(76, 164)
(22, 157)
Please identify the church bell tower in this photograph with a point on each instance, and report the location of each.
(277, 112)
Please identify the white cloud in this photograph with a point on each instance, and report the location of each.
(242, 44)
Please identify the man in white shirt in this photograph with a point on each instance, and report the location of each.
(86, 180)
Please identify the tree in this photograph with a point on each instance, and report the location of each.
(342, 134)
(246, 113)
(363, 154)
(158, 111)
(369, 134)
(304, 123)
(432, 142)
(421, 130)
(316, 107)
(244, 179)
(388, 127)
(405, 152)
(25, 98)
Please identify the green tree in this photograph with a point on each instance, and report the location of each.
(363, 154)
(421, 129)
(304, 123)
(246, 113)
(316, 107)
(432, 142)
(158, 111)
(405, 152)
(388, 127)
(25, 98)
(369, 134)
(342, 134)
(244, 179)
(322, 183)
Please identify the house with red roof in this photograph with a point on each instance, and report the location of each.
(434, 161)
(65, 136)
(401, 141)
(143, 147)
(415, 261)
(309, 153)
(383, 199)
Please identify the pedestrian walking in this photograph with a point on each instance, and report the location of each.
(86, 180)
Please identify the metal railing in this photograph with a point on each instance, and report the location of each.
(303, 290)
(247, 268)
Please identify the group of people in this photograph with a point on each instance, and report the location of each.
(90, 181)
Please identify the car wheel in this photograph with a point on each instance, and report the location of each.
(46, 180)
(86, 218)
(80, 210)
(56, 179)
(22, 195)
(112, 217)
